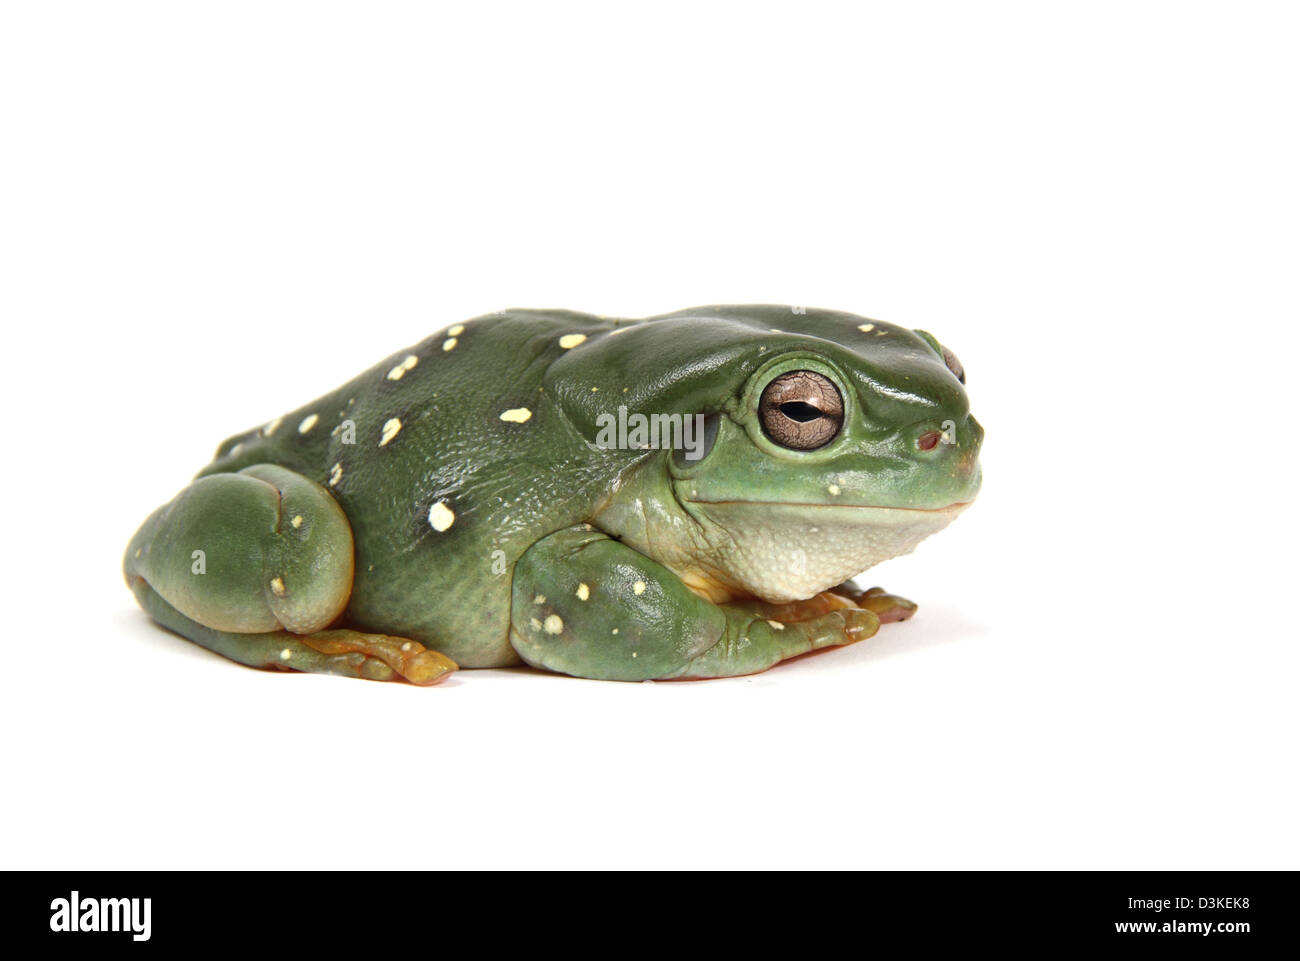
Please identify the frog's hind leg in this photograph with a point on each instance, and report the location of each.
(257, 566)
(376, 657)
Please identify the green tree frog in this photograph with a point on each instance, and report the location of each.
(684, 496)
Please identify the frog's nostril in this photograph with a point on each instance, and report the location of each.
(929, 440)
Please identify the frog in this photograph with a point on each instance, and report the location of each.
(494, 497)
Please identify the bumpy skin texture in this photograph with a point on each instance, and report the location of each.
(453, 504)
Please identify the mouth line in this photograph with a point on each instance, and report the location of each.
(956, 505)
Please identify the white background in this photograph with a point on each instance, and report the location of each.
(212, 213)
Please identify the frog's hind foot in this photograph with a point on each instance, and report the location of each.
(383, 657)
(348, 653)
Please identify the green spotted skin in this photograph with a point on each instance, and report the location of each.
(453, 459)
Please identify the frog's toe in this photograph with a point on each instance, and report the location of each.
(888, 607)
(425, 666)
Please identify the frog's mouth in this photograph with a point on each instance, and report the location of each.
(954, 508)
(782, 551)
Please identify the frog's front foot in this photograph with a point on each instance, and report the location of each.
(888, 607)
(760, 635)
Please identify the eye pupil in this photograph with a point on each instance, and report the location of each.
(801, 410)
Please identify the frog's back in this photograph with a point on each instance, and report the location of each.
(449, 459)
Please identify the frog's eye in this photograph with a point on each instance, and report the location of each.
(954, 364)
(801, 410)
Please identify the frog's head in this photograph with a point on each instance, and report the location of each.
(831, 442)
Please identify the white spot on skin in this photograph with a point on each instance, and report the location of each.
(638, 588)
(866, 328)
(534, 623)
(583, 592)
(516, 415)
(272, 427)
(277, 587)
(539, 599)
(634, 653)
(398, 372)
(553, 624)
(297, 521)
(776, 625)
(336, 474)
(833, 490)
(441, 516)
(449, 343)
(456, 331)
(569, 341)
(286, 654)
(391, 427)
(407, 646)
(614, 631)
(308, 423)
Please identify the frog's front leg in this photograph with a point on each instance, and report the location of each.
(587, 605)
(257, 565)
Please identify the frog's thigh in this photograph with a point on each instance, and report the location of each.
(587, 605)
(261, 550)
(253, 566)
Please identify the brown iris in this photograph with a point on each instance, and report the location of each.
(801, 410)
